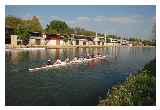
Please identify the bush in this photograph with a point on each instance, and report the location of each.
(138, 89)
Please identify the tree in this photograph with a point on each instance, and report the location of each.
(57, 26)
(23, 34)
(35, 24)
(82, 31)
(12, 22)
(112, 36)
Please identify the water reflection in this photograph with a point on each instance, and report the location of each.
(79, 84)
(115, 51)
(92, 64)
(136, 51)
(16, 56)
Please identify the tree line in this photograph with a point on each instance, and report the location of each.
(23, 28)
(34, 25)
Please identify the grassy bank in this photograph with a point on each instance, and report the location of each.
(138, 89)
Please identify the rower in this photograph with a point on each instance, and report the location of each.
(67, 60)
(58, 61)
(88, 56)
(93, 56)
(99, 55)
(49, 61)
(81, 58)
(75, 58)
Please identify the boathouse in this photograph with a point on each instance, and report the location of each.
(83, 40)
(113, 42)
(97, 41)
(37, 38)
(54, 40)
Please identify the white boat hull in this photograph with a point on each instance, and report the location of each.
(63, 63)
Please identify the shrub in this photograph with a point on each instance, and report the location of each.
(138, 89)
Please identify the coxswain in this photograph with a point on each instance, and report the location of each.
(88, 56)
(99, 55)
(75, 58)
(81, 58)
(67, 60)
(49, 61)
(93, 56)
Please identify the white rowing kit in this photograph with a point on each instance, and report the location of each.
(64, 63)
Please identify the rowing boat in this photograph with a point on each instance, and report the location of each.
(64, 63)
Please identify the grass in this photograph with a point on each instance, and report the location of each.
(137, 90)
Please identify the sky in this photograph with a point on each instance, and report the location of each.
(122, 20)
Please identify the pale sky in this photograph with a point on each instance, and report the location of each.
(128, 20)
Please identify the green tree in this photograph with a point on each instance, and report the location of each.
(112, 36)
(82, 31)
(57, 26)
(35, 24)
(12, 22)
(23, 34)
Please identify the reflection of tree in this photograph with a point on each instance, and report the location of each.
(24, 55)
(17, 56)
(34, 54)
(42, 54)
(14, 57)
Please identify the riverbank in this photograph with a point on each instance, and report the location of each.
(71, 46)
(138, 90)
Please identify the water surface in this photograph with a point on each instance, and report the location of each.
(71, 85)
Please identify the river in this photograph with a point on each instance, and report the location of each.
(80, 84)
